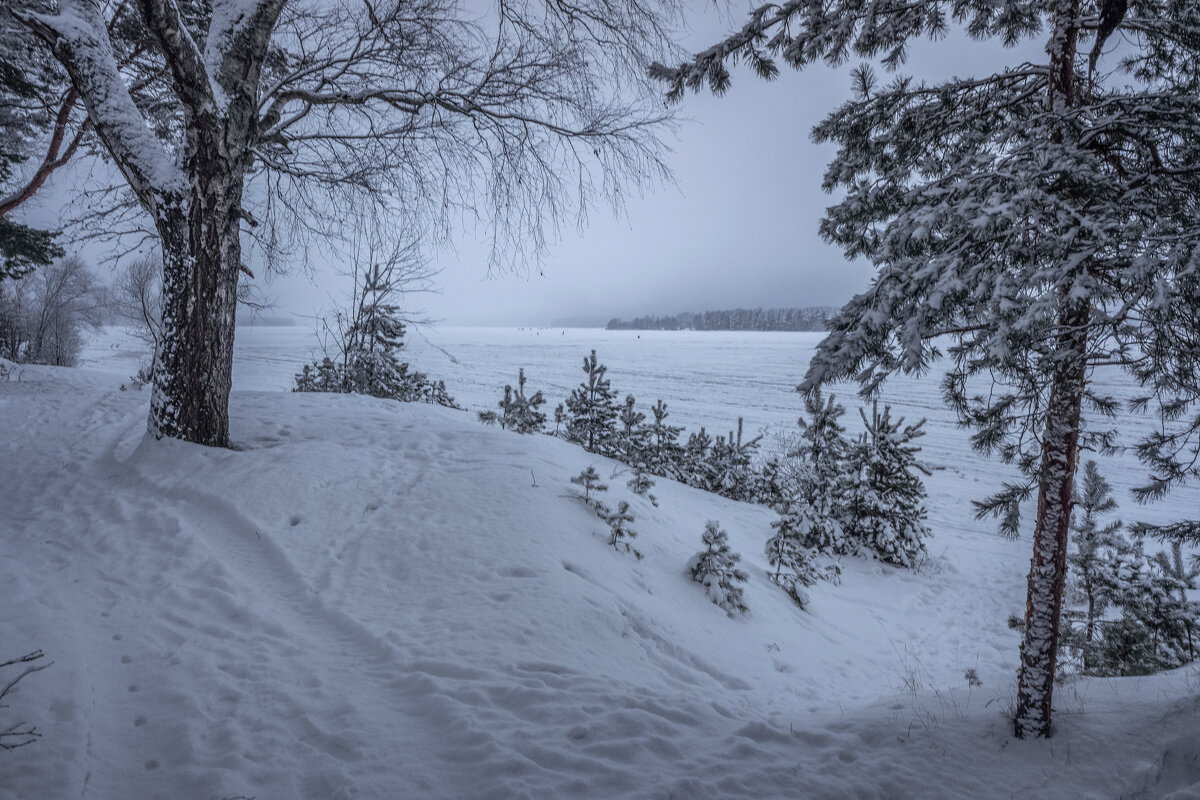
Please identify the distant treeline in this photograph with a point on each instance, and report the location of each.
(739, 319)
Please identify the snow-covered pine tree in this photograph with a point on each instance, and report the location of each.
(716, 569)
(790, 555)
(641, 484)
(30, 88)
(885, 510)
(590, 481)
(621, 535)
(1157, 627)
(822, 484)
(663, 454)
(1092, 566)
(694, 467)
(369, 338)
(1181, 615)
(630, 444)
(1172, 564)
(591, 412)
(1041, 219)
(730, 465)
(769, 484)
(519, 412)
(374, 338)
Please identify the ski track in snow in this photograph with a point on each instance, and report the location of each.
(371, 600)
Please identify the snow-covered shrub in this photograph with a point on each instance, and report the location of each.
(377, 374)
(715, 568)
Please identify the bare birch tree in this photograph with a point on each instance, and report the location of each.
(301, 111)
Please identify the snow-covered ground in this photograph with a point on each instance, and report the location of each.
(377, 600)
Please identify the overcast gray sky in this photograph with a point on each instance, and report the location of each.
(738, 228)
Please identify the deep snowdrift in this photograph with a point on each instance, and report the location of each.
(377, 600)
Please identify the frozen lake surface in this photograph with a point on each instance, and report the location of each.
(706, 378)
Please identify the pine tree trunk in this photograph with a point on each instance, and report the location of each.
(1048, 568)
(1091, 627)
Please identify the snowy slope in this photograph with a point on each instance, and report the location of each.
(377, 600)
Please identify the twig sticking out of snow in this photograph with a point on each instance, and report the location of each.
(20, 734)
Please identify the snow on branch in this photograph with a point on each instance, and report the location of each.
(79, 38)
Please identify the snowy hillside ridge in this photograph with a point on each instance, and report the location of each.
(370, 599)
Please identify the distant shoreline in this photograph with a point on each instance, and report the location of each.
(783, 320)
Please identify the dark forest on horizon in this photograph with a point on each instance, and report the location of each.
(812, 318)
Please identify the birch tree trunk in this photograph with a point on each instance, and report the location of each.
(201, 258)
(195, 198)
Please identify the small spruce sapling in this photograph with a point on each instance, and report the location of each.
(591, 412)
(695, 469)
(519, 412)
(716, 569)
(790, 555)
(663, 453)
(884, 504)
(730, 463)
(621, 534)
(1156, 628)
(641, 483)
(819, 460)
(1093, 578)
(589, 479)
(631, 435)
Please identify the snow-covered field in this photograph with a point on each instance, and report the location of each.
(378, 600)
